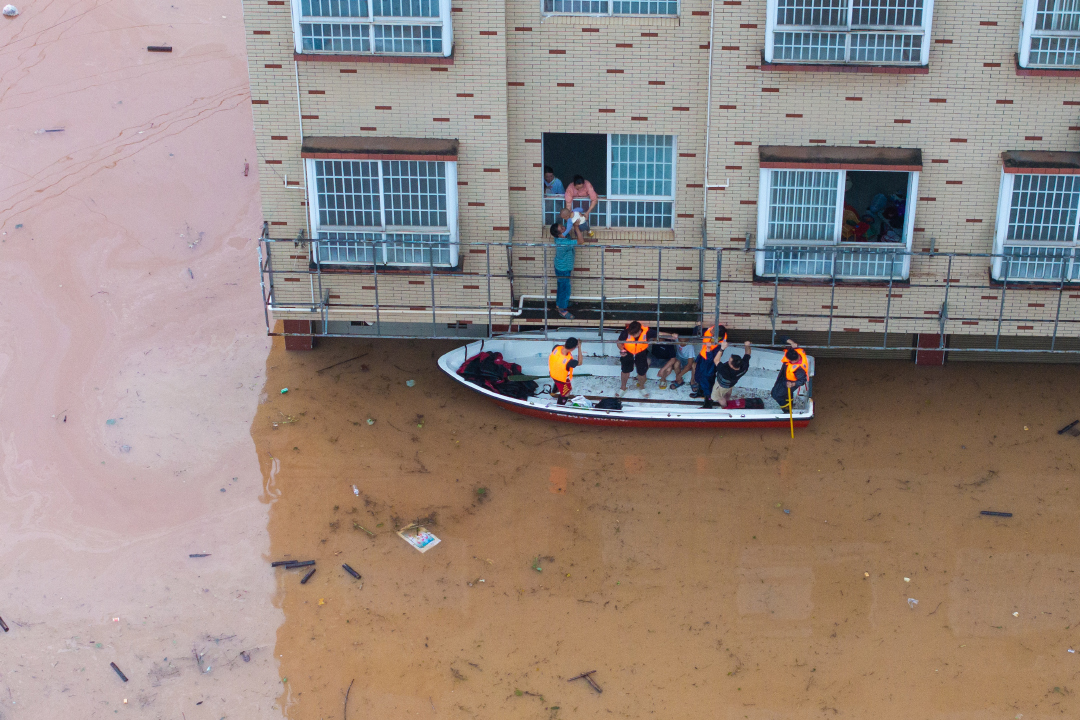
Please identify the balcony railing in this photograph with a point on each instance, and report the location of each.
(1040, 262)
(849, 261)
(356, 248)
(615, 213)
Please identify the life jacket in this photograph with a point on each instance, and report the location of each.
(706, 346)
(635, 345)
(557, 362)
(791, 366)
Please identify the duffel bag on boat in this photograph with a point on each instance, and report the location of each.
(609, 404)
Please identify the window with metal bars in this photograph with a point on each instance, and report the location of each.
(1036, 234)
(872, 32)
(610, 7)
(1050, 34)
(835, 223)
(378, 27)
(393, 212)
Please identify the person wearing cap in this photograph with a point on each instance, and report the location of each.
(794, 373)
(727, 375)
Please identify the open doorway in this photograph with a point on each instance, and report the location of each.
(570, 154)
(875, 206)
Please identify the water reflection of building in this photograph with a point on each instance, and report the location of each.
(871, 166)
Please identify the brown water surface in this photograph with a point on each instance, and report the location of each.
(132, 356)
(665, 560)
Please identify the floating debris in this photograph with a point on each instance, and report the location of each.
(587, 676)
(994, 513)
(11, 11)
(351, 571)
(912, 602)
(410, 383)
(159, 48)
(118, 671)
(4, 625)
(284, 390)
(110, 421)
(308, 576)
(199, 555)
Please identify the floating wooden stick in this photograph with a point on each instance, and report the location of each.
(119, 672)
(308, 576)
(159, 48)
(351, 571)
(3, 625)
(588, 678)
(995, 514)
(199, 555)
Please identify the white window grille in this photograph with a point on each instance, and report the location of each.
(1037, 228)
(800, 229)
(640, 182)
(379, 27)
(610, 7)
(1050, 34)
(876, 32)
(393, 212)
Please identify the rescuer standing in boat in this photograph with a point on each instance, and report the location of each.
(561, 364)
(794, 373)
(634, 352)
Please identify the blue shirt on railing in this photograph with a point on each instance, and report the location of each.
(564, 252)
(555, 187)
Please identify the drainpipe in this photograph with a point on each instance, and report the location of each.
(705, 180)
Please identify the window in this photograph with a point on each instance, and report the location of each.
(633, 175)
(611, 7)
(387, 212)
(1037, 228)
(875, 32)
(1050, 34)
(379, 27)
(809, 227)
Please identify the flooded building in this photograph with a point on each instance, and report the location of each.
(865, 173)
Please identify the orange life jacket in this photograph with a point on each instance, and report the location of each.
(559, 358)
(706, 346)
(635, 345)
(791, 366)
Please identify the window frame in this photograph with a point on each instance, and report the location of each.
(763, 243)
(772, 7)
(604, 204)
(1028, 31)
(451, 228)
(610, 13)
(444, 20)
(1001, 230)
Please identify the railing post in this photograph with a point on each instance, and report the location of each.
(262, 283)
(888, 302)
(375, 275)
(716, 303)
(774, 311)
(701, 267)
(1001, 308)
(832, 298)
(944, 314)
(659, 275)
(1057, 313)
(544, 248)
(487, 255)
(603, 260)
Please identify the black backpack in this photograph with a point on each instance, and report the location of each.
(609, 404)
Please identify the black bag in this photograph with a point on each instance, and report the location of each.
(755, 404)
(609, 404)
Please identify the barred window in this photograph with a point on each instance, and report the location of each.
(385, 211)
(886, 32)
(355, 27)
(1037, 238)
(1050, 34)
(610, 7)
(642, 165)
(835, 223)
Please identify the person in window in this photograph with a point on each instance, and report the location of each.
(564, 265)
(581, 188)
(634, 352)
(552, 184)
(727, 375)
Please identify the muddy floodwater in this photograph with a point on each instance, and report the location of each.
(737, 574)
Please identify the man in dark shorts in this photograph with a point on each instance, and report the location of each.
(727, 375)
(634, 352)
(561, 364)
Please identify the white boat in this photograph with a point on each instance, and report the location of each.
(598, 377)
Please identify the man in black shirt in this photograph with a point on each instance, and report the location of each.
(727, 375)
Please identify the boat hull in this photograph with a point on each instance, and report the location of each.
(616, 421)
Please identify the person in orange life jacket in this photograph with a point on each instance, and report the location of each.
(794, 373)
(727, 375)
(634, 352)
(561, 364)
(705, 372)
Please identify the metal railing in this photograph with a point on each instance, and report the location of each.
(715, 285)
(608, 213)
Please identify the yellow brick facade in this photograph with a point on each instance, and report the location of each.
(650, 75)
